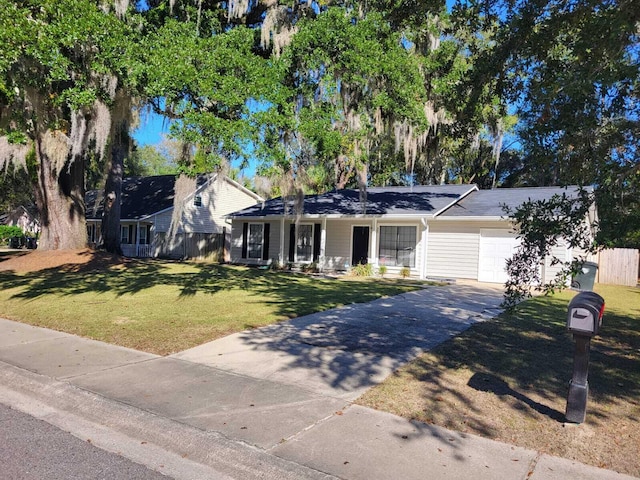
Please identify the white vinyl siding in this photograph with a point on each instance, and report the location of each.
(452, 250)
(338, 244)
(218, 198)
(274, 240)
(236, 241)
(561, 252)
(162, 221)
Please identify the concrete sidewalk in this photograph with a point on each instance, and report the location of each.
(268, 403)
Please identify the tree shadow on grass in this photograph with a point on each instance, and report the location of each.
(531, 351)
(484, 382)
(291, 294)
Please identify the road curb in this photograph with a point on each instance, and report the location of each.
(172, 448)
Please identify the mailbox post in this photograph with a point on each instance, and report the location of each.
(584, 319)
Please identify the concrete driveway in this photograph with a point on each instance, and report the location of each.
(342, 352)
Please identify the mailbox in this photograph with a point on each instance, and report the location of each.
(585, 314)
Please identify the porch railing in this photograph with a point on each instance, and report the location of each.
(145, 251)
(140, 251)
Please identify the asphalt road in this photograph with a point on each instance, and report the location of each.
(31, 449)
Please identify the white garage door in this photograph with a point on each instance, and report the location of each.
(496, 246)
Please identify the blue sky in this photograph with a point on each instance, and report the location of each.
(151, 129)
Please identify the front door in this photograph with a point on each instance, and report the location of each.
(360, 246)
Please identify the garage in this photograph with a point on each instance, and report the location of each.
(496, 246)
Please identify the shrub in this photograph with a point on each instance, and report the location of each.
(310, 268)
(8, 231)
(405, 272)
(362, 270)
(382, 270)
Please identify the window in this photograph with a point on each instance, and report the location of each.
(197, 200)
(143, 235)
(398, 246)
(91, 232)
(304, 243)
(124, 234)
(254, 245)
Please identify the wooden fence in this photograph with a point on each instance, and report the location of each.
(618, 266)
(211, 246)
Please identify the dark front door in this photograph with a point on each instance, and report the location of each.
(360, 247)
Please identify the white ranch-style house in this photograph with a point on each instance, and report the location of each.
(437, 231)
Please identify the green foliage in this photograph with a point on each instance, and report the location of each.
(15, 188)
(310, 268)
(147, 160)
(207, 84)
(405, 272)
(382, 270)
(58, 47)
(362, 270)
(349, 74)
(571, 70)
(9, 231)
(541, 225)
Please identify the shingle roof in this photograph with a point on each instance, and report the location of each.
(141, 196)
(418, 200)
(489, 203)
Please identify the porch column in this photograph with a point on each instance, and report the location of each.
(425, 240)
(374, 242)
(323, 243)
(281, 252)
(137, 238)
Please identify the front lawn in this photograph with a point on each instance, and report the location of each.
(165, 307)
(507, 379)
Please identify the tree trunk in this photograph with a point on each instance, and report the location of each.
(112, 200)
(60, 198)
(119, 146)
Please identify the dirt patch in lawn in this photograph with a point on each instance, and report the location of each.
(507, 379)
(69, 260)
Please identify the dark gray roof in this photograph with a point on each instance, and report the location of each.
(488, 203)
(141, 196)
(417, 200)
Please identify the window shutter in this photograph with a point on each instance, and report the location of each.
(265, 241)
(245, 234)
(292, 242)
(317, 231)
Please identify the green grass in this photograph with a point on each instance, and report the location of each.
(508, 379)
(164, 307)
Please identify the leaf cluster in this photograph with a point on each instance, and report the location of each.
(563, 220)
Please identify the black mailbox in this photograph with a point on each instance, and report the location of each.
(585, 314)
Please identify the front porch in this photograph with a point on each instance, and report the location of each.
(138, 251)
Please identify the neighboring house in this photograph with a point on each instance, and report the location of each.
(148, 210)
(443, 231)
(23, 217)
